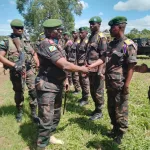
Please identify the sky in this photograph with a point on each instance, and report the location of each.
(136, 11)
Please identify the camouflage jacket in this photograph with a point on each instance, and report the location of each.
(48, 53)
(72, 54)
(67, 47)
(119, 55)
(12, 49)
(81, 51)
(97, 45)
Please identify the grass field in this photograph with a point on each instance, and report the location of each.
(75, 129)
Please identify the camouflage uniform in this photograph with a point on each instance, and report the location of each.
(72, 54)
(84, 80)
(12, 52)
(67, 48)
(96, 47)
(49, 85)
(119, 55)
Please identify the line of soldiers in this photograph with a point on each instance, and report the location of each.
(93, 58)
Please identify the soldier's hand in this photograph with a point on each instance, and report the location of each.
(18, 66)
(84, 69)
(125, 90)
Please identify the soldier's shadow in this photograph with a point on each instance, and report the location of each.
(28, 131)
(104, 144)
(73, 106)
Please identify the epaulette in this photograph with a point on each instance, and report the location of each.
(130, 42)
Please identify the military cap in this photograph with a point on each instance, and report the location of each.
(16, 23)
(75, 30)
(95, 19)
(117, 20)
(83, 29)
(52, 23)
(66, 33)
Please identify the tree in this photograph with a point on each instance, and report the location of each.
(35, 12)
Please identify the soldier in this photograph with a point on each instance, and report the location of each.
(97, 45)
(120, 60)
(67, 47)
(49, 83)
(108, 40)
(81, 60)
(72, 57)
(11, 49)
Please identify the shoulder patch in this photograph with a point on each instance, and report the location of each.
(52, 48)
(129, 42)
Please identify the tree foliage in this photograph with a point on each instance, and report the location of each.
(135, 33)
(35, 12)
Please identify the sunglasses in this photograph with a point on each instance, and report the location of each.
(18, 28)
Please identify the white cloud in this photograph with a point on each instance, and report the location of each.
(140, 24)
(5, 29)
(9, 20)
(84, 4)
(12, 2)
(140, 5)
(101, 14)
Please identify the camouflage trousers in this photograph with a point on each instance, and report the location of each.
(97, 90)
(84, 82)
(118, 109)
(73, 78)
(18, 88)
(49, 97)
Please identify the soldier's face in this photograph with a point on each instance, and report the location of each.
(114, 30)
(66, 37)
(17, 30)
(83, 34)
(75, 35)
(51, 33)
(94, 26)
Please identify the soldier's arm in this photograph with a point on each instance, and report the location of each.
(36, 59)
(131, 60)
(102, 47)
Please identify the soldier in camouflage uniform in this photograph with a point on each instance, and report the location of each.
(67, 47)
(96, 47)
(11, 49)
(49, 83)
(120, 59)
(81, 60)
(72, 57)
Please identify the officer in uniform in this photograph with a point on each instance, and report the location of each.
(72, 57)
(120, 59)
(97, 45)
(81, 60)
(11, 50)
(49, 83)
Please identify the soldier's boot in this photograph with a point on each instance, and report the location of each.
(83, 102)
(97, 114)
(76, 92)
(33, 113)
(54, 140)
(112, 133)
(19, 114)
(118, 137)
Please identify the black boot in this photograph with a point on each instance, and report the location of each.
(83, 102)
(112, 133)
(96, 115)
(118, 137)
(19, 114)
(34, 114)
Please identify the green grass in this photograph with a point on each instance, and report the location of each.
(75, 129)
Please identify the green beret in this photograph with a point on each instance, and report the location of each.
(52, 23)
(117, 20)
(95, 19)
(75, 30)
(66, 33)
(83, 29)
(16, 23)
